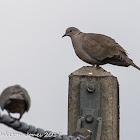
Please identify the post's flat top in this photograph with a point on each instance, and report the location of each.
(91, 71)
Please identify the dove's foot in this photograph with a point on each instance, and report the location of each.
(97, 67)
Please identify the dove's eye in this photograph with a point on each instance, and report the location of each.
(70, 30)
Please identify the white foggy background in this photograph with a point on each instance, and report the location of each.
(34, 55)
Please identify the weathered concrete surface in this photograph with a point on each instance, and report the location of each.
(109, 100)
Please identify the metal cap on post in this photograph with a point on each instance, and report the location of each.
(94, 97)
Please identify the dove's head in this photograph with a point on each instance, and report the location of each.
(71, 31)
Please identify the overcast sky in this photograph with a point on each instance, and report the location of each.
(34, 55)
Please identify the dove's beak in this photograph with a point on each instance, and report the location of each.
(64, 35)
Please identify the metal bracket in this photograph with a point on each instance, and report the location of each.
(99, 129)
(90, 108)
(83, 133)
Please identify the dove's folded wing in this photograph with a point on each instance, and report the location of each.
(101, 47)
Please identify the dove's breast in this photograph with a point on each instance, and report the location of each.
(77, 45)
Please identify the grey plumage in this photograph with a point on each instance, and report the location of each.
(98, 49)
(15, 99)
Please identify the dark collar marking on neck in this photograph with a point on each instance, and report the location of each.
(79, 33)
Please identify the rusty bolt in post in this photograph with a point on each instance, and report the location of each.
(90, 89)
(89, 118)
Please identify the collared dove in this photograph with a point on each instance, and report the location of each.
(15, 99)
(98, 49)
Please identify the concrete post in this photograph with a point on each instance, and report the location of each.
(109, 100)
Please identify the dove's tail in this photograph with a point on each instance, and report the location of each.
(130, 62)
(134, 65)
